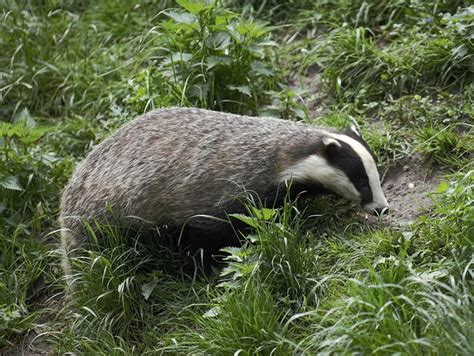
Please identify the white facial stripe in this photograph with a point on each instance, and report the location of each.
(379, 200)
(331, 141)
(315, 168)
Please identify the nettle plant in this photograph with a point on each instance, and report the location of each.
(215, 58)
(31, 173)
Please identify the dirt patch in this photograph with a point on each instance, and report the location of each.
(33, 344)
(407, 187)
(308, 87)
(48, 302)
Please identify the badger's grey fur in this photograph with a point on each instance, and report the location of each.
(172, 164)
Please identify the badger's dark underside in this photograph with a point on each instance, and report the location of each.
(202, 237)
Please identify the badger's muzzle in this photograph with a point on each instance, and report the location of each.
(377, 210)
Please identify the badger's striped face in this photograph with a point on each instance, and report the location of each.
(345, 166)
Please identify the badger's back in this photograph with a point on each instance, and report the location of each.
(171, 164)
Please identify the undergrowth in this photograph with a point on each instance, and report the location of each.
(360, 64)
(310, 278)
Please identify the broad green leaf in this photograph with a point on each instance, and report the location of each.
(244, 89)
(183, 17)
(194, 7)
(264, 214)
(213, 61)
(442, 187)
(11, 182)
(218, 41)
(148, 288)
(300, 113)
(246, 219)
(261, 68)
(238, 38)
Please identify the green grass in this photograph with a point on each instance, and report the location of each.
(314, 277)
(246, 320)
(358, 64)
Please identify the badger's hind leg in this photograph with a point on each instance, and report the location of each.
(68, 244)
(72, 238)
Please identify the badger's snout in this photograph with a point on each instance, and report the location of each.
(377, 211)
(381, 211)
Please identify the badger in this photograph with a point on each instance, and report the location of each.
(179, 166)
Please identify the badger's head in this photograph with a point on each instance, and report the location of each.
(342, 163)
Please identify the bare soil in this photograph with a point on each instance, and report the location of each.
(407, 187)
(33, 344)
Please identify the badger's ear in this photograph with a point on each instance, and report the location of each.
(329, 141)
(328, 145)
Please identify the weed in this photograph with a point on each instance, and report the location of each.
(29, 176)
(454, 212)
(273, 10)
(445, 146)
(354, 65)
(63, 59)
(23, 262)
(245, 321)
(287, 105)
(402, 297)
(217, 59)
(278, 255)
(120, 284)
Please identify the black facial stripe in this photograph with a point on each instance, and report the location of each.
(359, 139)
(348, 161)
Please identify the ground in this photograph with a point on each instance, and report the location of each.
(407, 187)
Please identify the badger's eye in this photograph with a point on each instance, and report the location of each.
(364, 187)
(365, 193)
(362, 183)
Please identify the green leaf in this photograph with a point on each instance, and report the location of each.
(261, 68)
(460, 51)
(300, 113)
(264, 214)
(194, 7)
(246, 219)
(148, 288)
(218, 41)
(442, 187)
(11, 182)
(244, 89)
(213, 61)
(183, 17)
(25, 117)
(213, 312)
(177, 57)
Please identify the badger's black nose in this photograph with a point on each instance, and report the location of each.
(381, 211)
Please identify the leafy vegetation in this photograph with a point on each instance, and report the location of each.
(359, 64)
(216, 59)
(310, 279)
